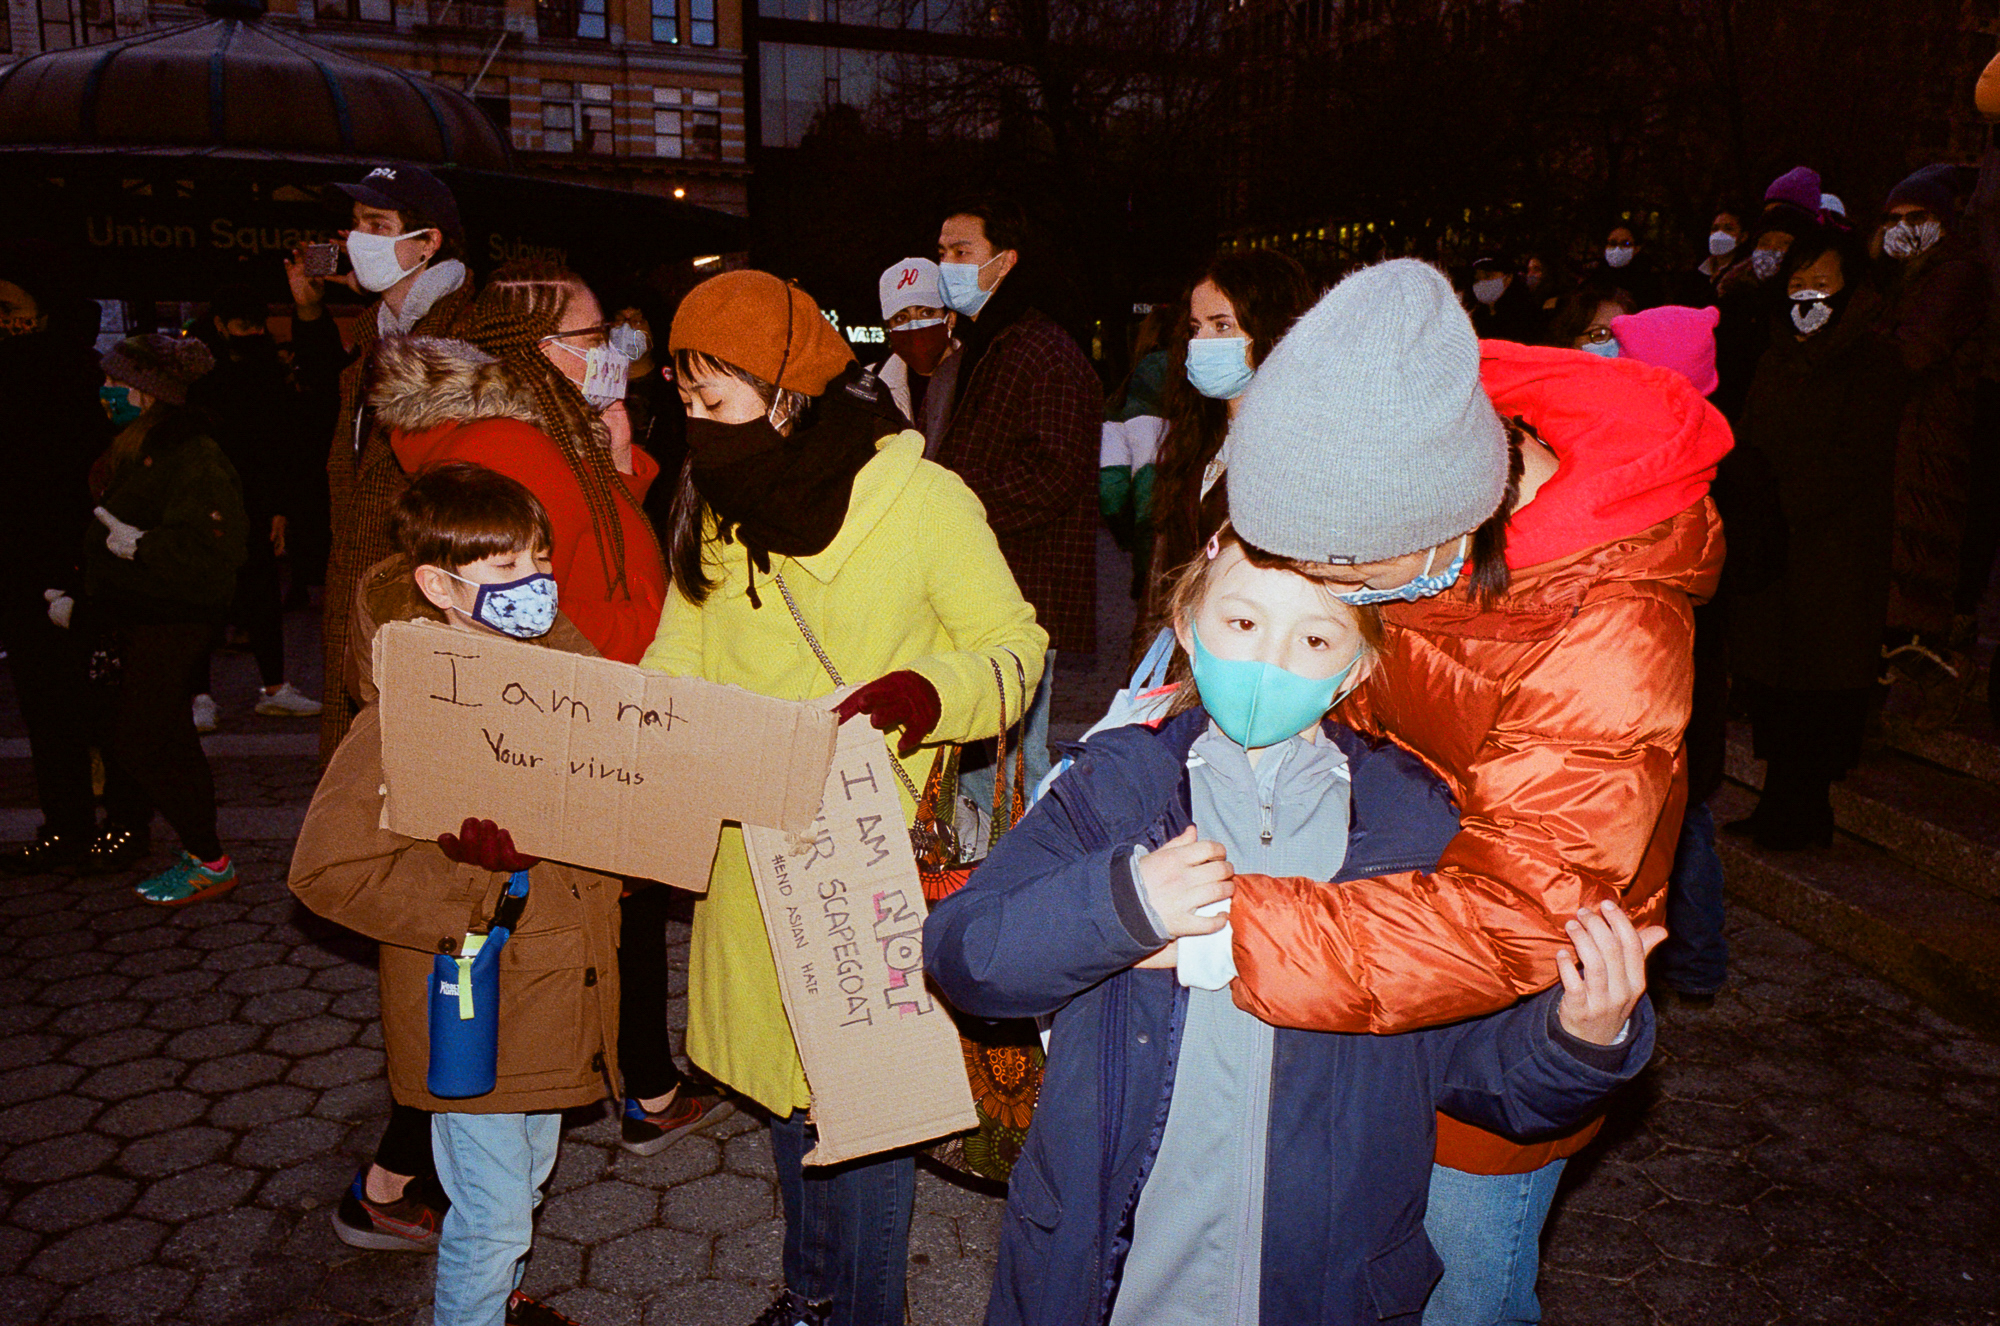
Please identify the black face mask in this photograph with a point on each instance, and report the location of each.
(784, 495)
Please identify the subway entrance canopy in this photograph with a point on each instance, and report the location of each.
(166, 162)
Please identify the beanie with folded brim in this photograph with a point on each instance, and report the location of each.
(162, 366)
(1366, 434)
(763, 325)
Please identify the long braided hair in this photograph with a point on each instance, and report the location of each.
(522, 304)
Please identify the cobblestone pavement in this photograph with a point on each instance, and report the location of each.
(184, 1094)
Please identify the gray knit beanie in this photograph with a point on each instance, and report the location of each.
(1366, 434)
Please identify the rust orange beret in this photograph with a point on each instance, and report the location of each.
(742, 318)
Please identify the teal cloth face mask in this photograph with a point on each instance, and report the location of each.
(1260, 704)
(117, 402)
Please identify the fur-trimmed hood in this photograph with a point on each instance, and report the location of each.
(420, 382)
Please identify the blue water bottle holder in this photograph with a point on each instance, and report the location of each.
(465, 1004)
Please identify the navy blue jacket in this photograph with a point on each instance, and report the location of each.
(1050, 924)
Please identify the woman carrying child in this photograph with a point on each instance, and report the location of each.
(1536, 526)
(475, 556)
(1190, 1165)
(809, 537)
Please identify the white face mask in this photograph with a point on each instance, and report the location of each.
(374, 259)
(1489, 290)
(606, 371)
(1618, 255)
(1904, 240)
(1721, 244)
(1764, 263)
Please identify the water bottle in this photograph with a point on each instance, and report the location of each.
(465, 1005)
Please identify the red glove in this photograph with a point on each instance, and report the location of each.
(901, 699)
(484, 844)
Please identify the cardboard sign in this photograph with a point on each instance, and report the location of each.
(604, 765)
(846, 918)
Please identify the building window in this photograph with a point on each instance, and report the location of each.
(668, 124)
(687, 125)
(705, 127)
(585, 20)
(701, 22)
(358, 11)
(667, 22)
(576, 117)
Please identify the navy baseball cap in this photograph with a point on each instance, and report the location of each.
(410, 190)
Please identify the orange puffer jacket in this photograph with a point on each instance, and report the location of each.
(1555, 714)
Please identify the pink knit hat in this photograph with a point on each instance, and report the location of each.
(1670, 336)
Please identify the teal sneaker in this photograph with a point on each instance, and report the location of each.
(187, 880)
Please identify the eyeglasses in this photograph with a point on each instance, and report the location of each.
(601, 329)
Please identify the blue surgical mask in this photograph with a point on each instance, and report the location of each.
(1219, 366)
(1416, 587)
(524, 608)
(959, 284)
(1607, 349)
(117, 402)
(1260, 704)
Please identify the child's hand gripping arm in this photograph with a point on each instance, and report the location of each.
(1185, 887)
(1605, 973)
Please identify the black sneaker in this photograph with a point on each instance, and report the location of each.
(792, 1310)
(408, 1224)
(49, 851)
(116, 848)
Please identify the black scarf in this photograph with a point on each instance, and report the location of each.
(788, 495)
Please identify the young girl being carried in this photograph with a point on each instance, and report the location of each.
(1189, 1164)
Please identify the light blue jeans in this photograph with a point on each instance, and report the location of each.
(491, 1165)
(1487, 1229)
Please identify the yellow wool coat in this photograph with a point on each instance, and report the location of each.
(914, 580)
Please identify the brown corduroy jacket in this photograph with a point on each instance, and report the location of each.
(361, 487)
(559, 970)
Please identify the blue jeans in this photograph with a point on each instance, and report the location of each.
(847, 1227)
(1694, 957)
(491, 1166)
(1487, 1229)
(976, 781)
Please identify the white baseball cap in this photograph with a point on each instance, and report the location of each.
(913, 282)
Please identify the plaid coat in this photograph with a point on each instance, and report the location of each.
(1025, 440)
(361, 489)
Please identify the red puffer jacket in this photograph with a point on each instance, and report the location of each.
(1555, 714)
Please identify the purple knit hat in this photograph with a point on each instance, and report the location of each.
(1798, 186)
(161, 366)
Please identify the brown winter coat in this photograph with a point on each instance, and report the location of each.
(361, 487)
(559, 970)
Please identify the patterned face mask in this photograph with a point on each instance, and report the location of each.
(606, 370)
(524, 608)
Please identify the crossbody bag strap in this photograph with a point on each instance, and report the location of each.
(831, 671)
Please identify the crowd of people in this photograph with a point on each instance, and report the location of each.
(1338, 953)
